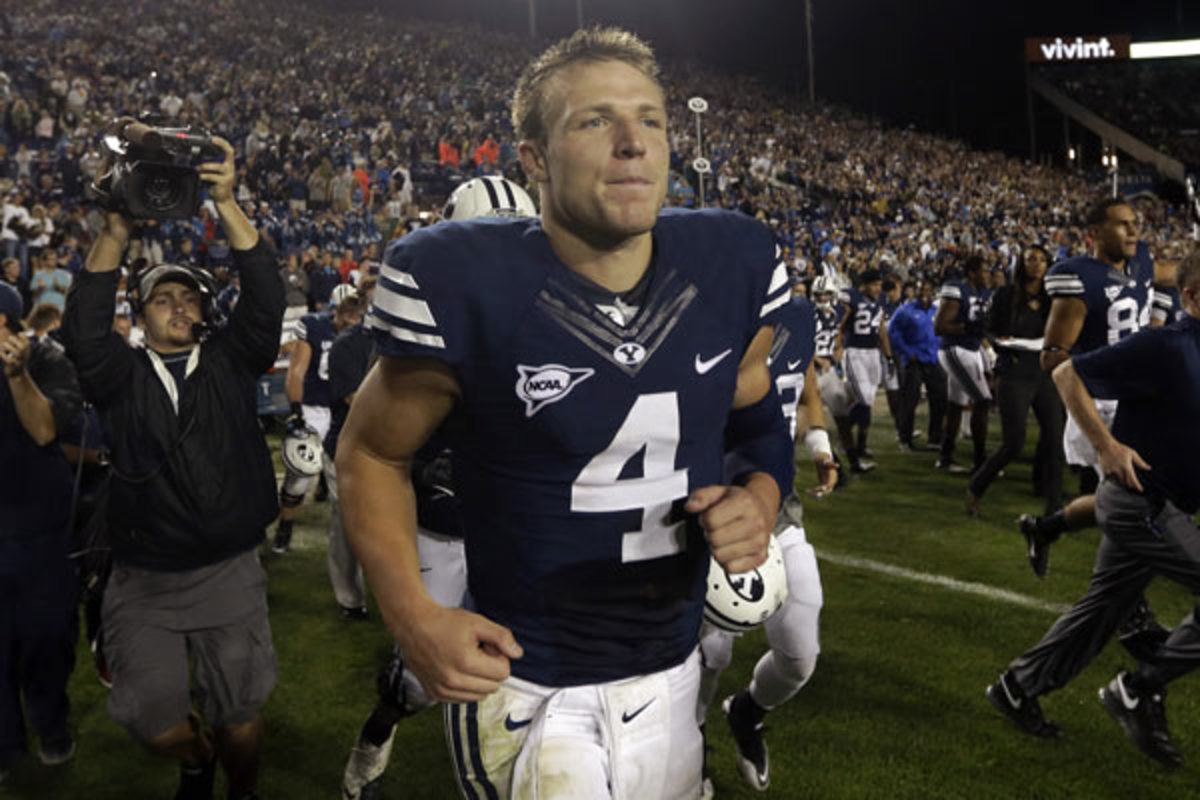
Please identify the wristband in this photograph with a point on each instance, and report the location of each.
(817, 442)
(298, 409)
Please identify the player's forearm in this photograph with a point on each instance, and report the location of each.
(1080, 404)
(379, 511)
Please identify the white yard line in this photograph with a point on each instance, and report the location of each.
(966, 587)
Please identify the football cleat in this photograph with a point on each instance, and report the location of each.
(1025, 712)
(861, 467)
(364, 771)
(1143, 718)
(746, 725)
(1037, 544)
(948, 465)
(58, 751)
(282, 542)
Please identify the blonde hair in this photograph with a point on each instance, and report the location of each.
(585, 45)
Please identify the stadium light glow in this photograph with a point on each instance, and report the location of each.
(1070, 153)
(1180, 48)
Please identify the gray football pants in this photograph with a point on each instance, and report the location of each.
(1140, 541)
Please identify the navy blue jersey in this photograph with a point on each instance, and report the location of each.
(318, 331)
(829, 322)
(792, 350)
(972, 313)
(865, 317)
(1118, 303)
(577, 439)
(1156, 377)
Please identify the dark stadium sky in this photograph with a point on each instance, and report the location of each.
(953, 66)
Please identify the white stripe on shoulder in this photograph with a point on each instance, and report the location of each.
(404, 334)
(404, 307)
(778, 278)
(402, 278)
(950, 292)
(774, 304)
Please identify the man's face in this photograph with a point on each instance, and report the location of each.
(925, 294)
(169, 314)
(12, 270)
(872, 289)
(603, 168)
(1116, 238)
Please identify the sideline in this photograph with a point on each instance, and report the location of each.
(966, 587)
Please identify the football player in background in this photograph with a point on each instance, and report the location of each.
(307, 387)
(593, 365)
(827, 360)
(439, 530)
(960, 322)
(864, 336)
(1095, 301)
(792, 631)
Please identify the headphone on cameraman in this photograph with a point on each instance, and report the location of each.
(209, 315)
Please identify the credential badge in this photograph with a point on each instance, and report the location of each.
(549, 383)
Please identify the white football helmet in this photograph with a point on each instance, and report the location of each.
(489, 196)
(342, 291)
(745, 600)
(824, 289)
(301, 453)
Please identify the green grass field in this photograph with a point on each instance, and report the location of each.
(895, 709)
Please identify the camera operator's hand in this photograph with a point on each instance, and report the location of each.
(220, 177)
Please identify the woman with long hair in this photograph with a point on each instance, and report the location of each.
(1015, 324)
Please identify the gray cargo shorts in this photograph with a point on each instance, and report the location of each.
(181, 640)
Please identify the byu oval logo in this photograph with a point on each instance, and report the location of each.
(748, 585)
(629, 353)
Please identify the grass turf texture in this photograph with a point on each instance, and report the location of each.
(895, 709)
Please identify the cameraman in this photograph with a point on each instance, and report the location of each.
(192, 492)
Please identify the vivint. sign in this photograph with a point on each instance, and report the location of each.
(1061, 49)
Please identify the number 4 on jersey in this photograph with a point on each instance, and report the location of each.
(651, 428)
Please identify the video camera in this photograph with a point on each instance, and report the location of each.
(153, 173)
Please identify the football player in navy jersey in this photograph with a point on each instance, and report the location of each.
(864, 336)
(307, 387)
(792, 631)
(592, 368)
(891, 301)
(827, 359)
(1095, 301)
(960, 321)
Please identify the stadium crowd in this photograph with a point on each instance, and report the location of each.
(350, 130)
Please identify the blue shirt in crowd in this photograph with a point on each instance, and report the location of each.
(911, 333)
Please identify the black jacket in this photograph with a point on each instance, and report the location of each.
(195, 486)
(35, 490)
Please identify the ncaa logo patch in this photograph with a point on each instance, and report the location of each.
(629, 353)
(549, 383)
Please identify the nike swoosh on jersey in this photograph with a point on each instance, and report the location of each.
(703, 366)
(629, 716)
(511, 724)
(793, 364)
